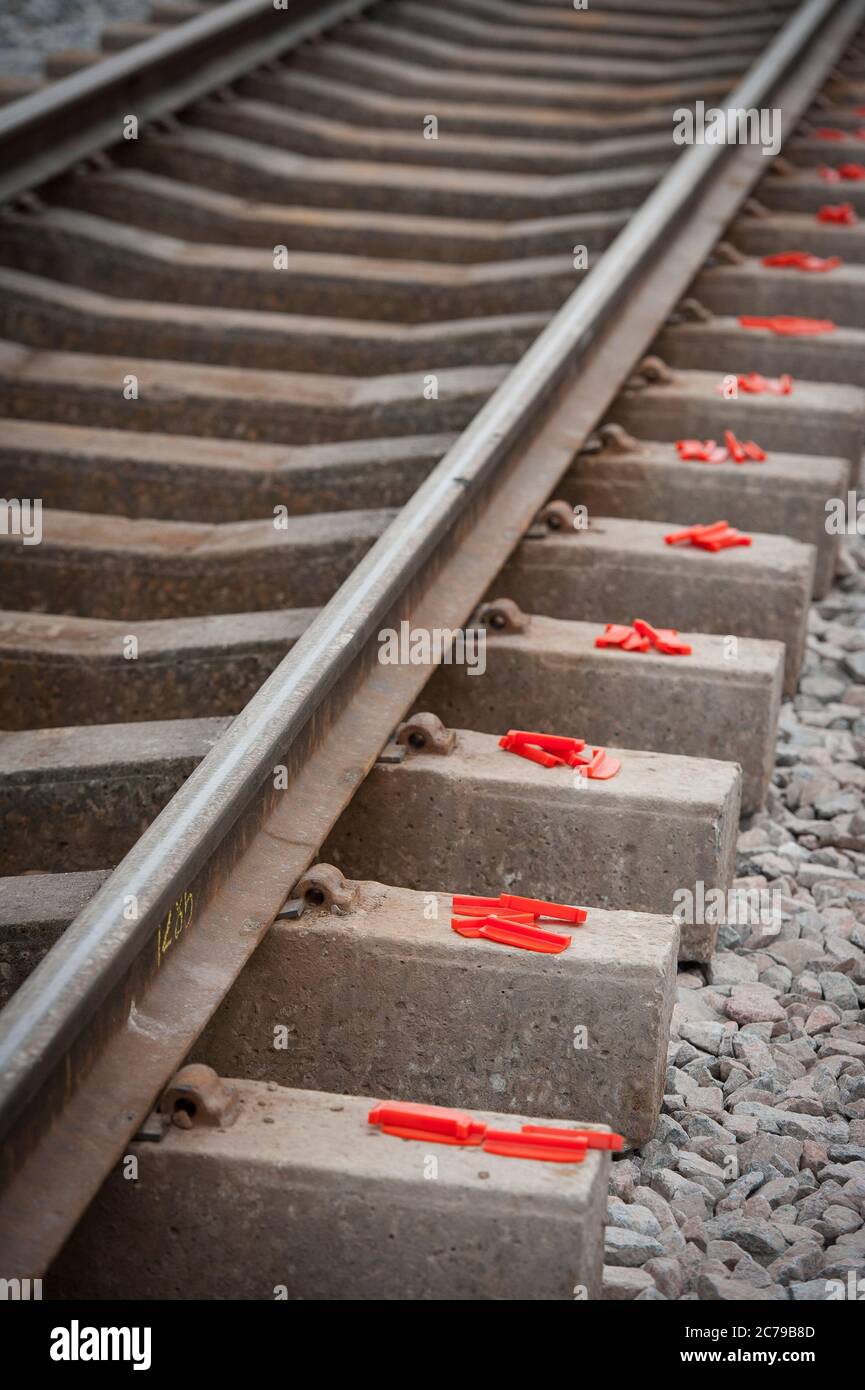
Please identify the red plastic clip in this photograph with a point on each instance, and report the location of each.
(666, 639)
(850, 172)
(700, 450)
(507, 930)
(753, 384)
(787, 325)
(481, 913)
(554, 750)
(741, 452)
(595, 1139)
(433, 1123)
(840, 213)
(801, 260)
(614, 635)
(465, 906)
(436, 1124)
(560, 744)
(468, 901)
(510, 905)
(602, 766)
(557, 912)
(642, 637)
(531, 752)
(719, 536)
(552, 1146)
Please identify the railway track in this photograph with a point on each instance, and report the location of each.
(306, 315)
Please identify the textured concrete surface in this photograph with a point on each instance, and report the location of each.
(79, 798)
(724, 346)
(94, 566)
(388, 1000)
(35, 910)
(785, 495)
(482, 820)
(334, 1209)
(56, 671)
(553, 676)
(618, 569)
(816, 419)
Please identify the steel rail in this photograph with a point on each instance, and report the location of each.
(43, 134)
(92, 1035)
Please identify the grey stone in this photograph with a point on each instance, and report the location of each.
(838, 990)
(800, 1262)
(789, 1124)
(632, 1217)
(624, 1176)
(627, 1247)
(672, 1186)
(708, 1100)
(621, 1283)
(645, 1196)
(706, 1036)
(667, 1274)
(718, 1288)
(810, 1291)
(751, 1004)
(758, 1238)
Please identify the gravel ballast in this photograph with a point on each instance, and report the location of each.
(756, 1175)
(29, 29)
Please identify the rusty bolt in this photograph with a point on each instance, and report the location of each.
(652, 371)
(613, 437)
(692, 311)
(725, 253)
(502, 615)
(198, 1096)
(425, 733)
(556, 516)
(323, 885)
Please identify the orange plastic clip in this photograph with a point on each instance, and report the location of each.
(719, 536)
(802, 260)
(555, 1146)
(594, 1138)
(433, 1123)
(531, 752)
(602, 766)
(508, 931)
(557, 912)
(666, 639)
(787, 325)
(842, 214)
(551, 743)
